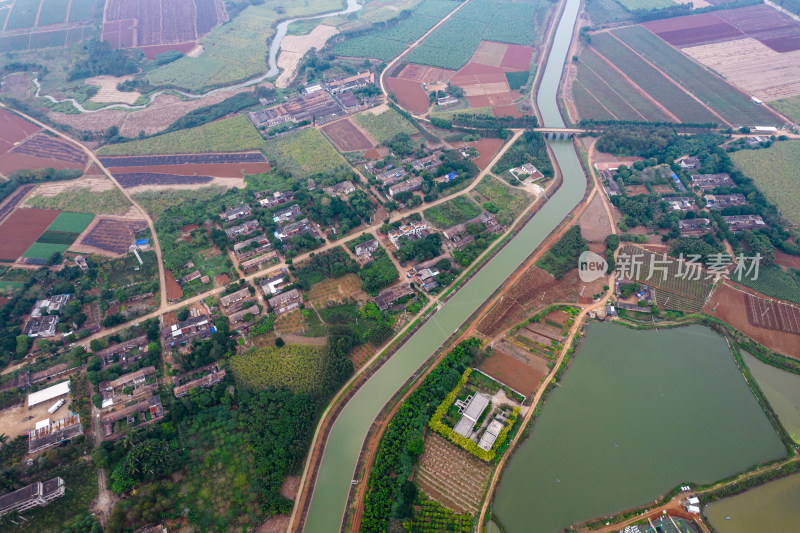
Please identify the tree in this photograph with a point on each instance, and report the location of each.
(279, 342)
(183, 314)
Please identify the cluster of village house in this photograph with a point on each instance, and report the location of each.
(697, 227)
(318, 104)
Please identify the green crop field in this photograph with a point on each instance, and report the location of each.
(686, 108)
(53, 12)
(296, 367)
(71, 222)
(23, 14)
(773, 281)
(774, 171)
(733, 105)
(588, 105)
(42, 250)
(517, 79)
(111, 202)
(386, 125)
(81, 10)
(236, 50)
(455, 211)
(386, 44)
(604, 11)
(304, 152)
(610, 89)
(511, 201)
(453, 43)
(234, 134)
(788, 106)
(633, 5)
(58, 237)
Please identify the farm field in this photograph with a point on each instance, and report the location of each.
(454, 43)
(27, 21)
(487, 148)
(221, 165)
(409, 94)
(672, 292)
(788, 106)
(729, 303)
(43, 250)
(733, 105)
(112, 235)
(770, 314)
(136, 179)
(304, 152)
(773, 281)
(451, 476)
(774, 171)
(516, 374)
(153, 26)
(37, 151)
(235, 51)
(21, 230)
(234, 134)
(384, 126)
(602, 93)
(511, 202)
(346, 136)
(109, 202)
(386, 44)
(14, 200)
(455, 211)
(632, 5)
(650, 80)
(535, 290)
(71, 222)
(297, 367)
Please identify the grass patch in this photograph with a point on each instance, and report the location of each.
(156, 202)
(299, 368)
(234, 134)
(304, 152)
(774, 171)
(58, 237)
(517, 79)
(455, 211)
(111, 202)
(386, 125)
(42, 250)
(510, 202)
(10, 285)
(71, 222)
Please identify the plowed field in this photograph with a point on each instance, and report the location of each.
(346, 137)
(513, 372)
(111, 235)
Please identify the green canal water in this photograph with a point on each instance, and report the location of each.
(637, 413)
(771, 507)
(782, 389)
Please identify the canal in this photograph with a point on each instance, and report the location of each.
(348, 433)
(637, 413)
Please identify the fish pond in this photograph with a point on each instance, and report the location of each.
(637, 413)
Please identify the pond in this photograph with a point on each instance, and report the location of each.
(637, 413)
(771, 507)
(782, 390)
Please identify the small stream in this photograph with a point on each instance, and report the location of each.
(274, 48)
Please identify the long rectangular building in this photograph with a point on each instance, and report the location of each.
(36, 494)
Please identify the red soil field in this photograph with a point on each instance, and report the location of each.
(410, 94)
(152, 51)
(13, 129)
(216, 170)
(517, 57)
(513, 372)
(174, 291)
(729, 304)
(159, 25)
(346, 136)
(487, 148)
(770, 314)
(15, 199)
(507, 111)
(424, 73)
(787, 260)
(21, 229)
